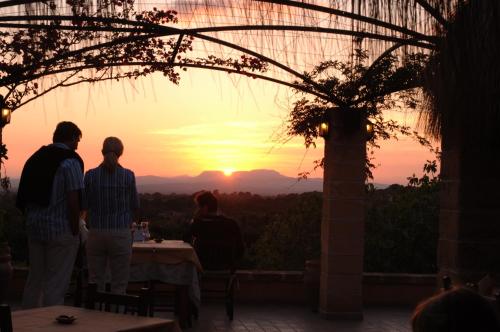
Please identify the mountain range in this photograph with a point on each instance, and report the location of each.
(261, 181)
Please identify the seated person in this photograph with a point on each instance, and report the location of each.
(455, 310)
(216, 239)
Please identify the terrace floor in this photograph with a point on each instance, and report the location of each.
(287, 318)
(282, 318)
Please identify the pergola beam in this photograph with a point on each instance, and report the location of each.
(433, 12)
(188, 65)
(147, 25)
(352, 16)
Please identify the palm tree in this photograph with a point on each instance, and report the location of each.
(463, 98)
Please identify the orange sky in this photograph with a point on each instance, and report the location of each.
(210, 121)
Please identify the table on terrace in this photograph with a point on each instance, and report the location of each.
(171, 262)
(43, 320)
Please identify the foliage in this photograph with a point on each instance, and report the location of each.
(283, 231)
(297, 230)
(390, 83)
(3, 236)
(462, 87)
(12, 227)
(4, 180)
(402, 225)
(429, 179)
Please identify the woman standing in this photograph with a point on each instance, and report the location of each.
(112, 204)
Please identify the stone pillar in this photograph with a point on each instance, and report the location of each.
(342, 225)
(469, 227)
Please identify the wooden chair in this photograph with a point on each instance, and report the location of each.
(104, 301)
(218, 258)
(163, 297)
(5, 318)
(219, 245)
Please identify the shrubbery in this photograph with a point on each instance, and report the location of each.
(281, 232)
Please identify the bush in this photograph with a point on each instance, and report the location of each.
(281, 232)
(13, 228)
(402, 229)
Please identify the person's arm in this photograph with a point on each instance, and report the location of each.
(189, 233)
(134, 201)
(84, 208)
(74, 185)
(73, 198)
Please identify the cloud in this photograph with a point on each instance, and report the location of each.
(226, 128)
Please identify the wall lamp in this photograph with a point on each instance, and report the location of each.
(324, 129)
(5, 113)
(370, 130)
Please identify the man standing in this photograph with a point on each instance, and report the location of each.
(49, 196)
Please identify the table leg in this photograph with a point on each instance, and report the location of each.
(182, 306)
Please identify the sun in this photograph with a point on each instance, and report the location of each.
(228, 171)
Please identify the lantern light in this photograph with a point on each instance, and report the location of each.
(370, 130)
(5, 117)
(323, 129)
(4, 113)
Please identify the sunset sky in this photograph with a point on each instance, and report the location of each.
(208, 122)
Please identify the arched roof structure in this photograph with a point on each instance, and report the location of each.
(290, 36)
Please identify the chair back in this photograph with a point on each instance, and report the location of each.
(5, 318)
(218, 244)
(216, 256)
(104, 301)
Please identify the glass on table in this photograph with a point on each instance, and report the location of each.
(138, 232)
(145, 230)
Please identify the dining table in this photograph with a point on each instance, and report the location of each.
(44, 320)
(171, 262)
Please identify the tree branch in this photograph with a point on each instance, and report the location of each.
(190, 65)
(386, 92)
(45, 92)
(176, 49)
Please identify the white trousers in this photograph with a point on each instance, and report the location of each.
(113, 249)
(50, 269)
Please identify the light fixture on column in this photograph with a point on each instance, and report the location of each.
(370, 130)
(4, 113)
(324, 129)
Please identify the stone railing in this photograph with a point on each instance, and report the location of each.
(289, 287)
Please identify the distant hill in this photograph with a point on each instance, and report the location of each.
(262, 182)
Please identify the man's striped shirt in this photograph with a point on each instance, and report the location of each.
(110, 198)
(48, 223)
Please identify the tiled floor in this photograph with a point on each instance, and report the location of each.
(252, 318)
(274, 318)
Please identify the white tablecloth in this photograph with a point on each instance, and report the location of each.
(176, 274)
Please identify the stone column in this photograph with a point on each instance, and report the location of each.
(342, 226)
(469, 227)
